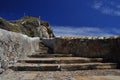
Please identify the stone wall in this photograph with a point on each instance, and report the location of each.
(14, 46)
(49, 42)
(108, 47)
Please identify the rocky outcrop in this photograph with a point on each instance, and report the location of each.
(14, 46)
(31, 26)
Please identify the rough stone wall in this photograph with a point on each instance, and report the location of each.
(49, 42)
(14, 46)
(108, 47)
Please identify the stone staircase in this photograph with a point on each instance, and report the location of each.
(42, 49)
(43, 61)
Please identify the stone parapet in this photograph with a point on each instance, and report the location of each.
(88, 37)
(14, 46)
(89, 46)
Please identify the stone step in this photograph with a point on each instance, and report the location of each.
(42, 45)
(88, 66)
(58, 60)
(37, 55)
(39, 60)
(62, 67)
(44, 48)
(34, 67)
(42, 51)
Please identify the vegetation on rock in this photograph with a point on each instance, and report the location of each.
(28, 25)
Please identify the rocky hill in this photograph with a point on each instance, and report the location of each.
(31, 26)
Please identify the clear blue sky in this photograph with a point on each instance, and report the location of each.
(69, 17)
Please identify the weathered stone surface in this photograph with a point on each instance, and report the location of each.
(29, 76)
(60, 63)
(97, 78)
(62, 75)
(14, 46)
(59, 60)
(1, 70)
(108, 47)
(62, 67)
(49, 55)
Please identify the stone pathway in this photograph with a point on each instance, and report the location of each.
(62, 75)
(43, 66)
(97, 78)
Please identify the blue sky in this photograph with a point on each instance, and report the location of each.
(69, 17)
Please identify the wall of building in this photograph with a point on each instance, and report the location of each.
(108, 47)
(14, 46)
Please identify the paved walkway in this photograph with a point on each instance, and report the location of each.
(62, 75)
